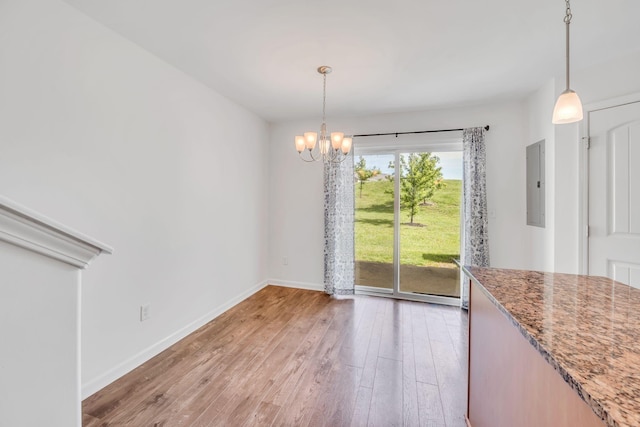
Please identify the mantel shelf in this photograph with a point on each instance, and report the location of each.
(30, 230)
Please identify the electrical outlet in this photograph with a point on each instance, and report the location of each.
(285, 260)
(145, 312)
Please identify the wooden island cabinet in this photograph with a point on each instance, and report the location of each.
(549, 349)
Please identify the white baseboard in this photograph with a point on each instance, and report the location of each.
(299, 285)
(130, 364)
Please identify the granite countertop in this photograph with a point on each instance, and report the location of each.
(586, 327)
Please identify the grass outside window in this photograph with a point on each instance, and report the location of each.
(433, 242)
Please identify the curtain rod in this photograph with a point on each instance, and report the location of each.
(418, 131)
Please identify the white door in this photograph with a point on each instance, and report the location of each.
(614, 193)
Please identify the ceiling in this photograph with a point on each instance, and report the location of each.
(387, 56)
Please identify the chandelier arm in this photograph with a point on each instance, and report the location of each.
(337, 156)
(333, 156)
(342, 159)
(314, 158)
(306, 160)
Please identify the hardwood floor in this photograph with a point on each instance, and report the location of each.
(291, 357)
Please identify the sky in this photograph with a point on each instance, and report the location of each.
(451, 163)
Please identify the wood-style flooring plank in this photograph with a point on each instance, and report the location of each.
(373, 346)
(354, 349)
(386, 399)
(356, 344)
(360, 415)
(410, 408)
(430, 405)
(295, 357)
(391, 338)
(338, 396)
(89, 421)
(318, 375)
(449, 369)
(423, 357)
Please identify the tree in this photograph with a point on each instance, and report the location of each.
(363, 173)
(420, 178)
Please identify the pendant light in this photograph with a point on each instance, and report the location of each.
(329, 147)
(568, 107)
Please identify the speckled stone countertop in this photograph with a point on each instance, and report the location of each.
(587, 328)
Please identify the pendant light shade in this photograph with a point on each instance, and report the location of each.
(568, 108)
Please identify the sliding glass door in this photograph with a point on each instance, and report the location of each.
(375, 222)
(430, 197)
(407, 223)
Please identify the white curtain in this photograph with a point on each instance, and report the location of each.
(339, 265)
(474, 208)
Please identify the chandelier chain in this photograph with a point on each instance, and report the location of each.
(569, 15)
(324, 96)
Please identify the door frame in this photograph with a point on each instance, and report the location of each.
(583, 171)
(433, 144)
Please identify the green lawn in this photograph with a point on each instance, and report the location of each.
(434, 243)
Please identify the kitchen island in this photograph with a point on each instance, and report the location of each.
(550, 349)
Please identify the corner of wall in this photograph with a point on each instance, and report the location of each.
(541, 240)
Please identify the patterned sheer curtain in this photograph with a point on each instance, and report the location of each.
(474, 208)
(339, 264)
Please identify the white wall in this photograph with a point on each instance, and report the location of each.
(539, 109)
(39, 326)
(296, 211)
(98, 134)
(607, 80)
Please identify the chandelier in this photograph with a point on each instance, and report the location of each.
(568, 107)
(330, 148)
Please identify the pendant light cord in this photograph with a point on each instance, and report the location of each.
(567, 21)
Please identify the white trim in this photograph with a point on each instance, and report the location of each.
(372, 290)
(435, 142)
(583, 195)
(78, 391)
(30, 230)
(408, 296)
(583, 170)
(297, 285)
(397, 192)
(130, 364)
(612, 102)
